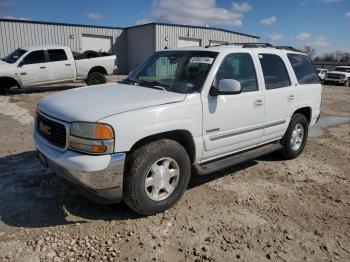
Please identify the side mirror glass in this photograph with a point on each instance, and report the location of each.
(227, 87)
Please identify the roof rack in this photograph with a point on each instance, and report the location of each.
(254, 45)
(288, 48)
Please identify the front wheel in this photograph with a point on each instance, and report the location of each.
(96, 78)
(295, 138)
(156, 177)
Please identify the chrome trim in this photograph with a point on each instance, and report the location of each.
(92, 142)
(247, 130)
(111, 177)
(44, 140)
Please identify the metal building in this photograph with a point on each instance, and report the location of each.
(131, 44)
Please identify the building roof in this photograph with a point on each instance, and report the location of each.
(122, 28)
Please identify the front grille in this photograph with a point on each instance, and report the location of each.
(334, 76)
(52, 131)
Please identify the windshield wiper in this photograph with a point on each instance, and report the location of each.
(154, 84)
(128, 81)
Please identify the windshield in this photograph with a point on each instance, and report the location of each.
(174, 71)
(14, 56)
(342, 69)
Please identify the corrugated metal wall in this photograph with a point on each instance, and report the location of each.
(17, 34)
(167, 36)
(141, 43)
(131, 45)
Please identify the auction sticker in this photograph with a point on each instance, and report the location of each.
(202, 60)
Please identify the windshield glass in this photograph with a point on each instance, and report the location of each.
(342, 69)
(14, 56)
(175, 71)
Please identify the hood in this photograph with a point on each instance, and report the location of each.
(93, 103)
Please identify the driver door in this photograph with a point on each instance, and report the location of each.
(233, 122)
(34, 68)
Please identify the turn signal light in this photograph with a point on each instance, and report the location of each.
(103, 132)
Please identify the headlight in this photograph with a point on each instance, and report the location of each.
(343, 76)
(92, 138)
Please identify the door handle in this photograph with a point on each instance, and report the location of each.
(290, 97)
(68, 64)
(23, 73)
(42, 67)
(258, 103)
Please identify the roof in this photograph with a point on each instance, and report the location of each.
(225, 48)
(194, 26)
(35, 47)
(123, 28)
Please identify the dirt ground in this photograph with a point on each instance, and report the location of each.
(268, 209)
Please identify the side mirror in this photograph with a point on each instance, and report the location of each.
(226, 87)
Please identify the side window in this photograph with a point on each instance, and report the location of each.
(57, 55)
(275, 72)
(304, 69)
(239, 67)
(34, 57)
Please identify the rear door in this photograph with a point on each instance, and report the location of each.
(33, 69)
(60, 68)
(281, 97)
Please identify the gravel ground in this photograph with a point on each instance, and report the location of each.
(268, 209)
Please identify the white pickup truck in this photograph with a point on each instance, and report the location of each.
(38, 65)
(340, 75)
(201, 108)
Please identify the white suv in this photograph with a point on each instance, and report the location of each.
(206, 108)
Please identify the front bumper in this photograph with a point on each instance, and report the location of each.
(99, 178)
(336, 81)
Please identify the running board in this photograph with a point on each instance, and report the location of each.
(216, 165)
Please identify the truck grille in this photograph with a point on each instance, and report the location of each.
(334, 76)
(52, 131)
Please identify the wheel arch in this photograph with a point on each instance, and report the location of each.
(183, 137)
(306, 111)
(9, 81)
(98, 69)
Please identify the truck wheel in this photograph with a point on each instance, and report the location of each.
(4, 90)
(96, 78)
(157, 175)
(347, 83)
(295, 138)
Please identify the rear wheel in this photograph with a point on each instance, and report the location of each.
(347, 83)
(96, 78)
(295, 138)
(156, 177)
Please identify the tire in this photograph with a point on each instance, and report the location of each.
(292, 147)
(4, 90)
(347, 83)
(96, 78)
(140, 167)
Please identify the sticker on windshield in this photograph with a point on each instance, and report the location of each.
(202, 60)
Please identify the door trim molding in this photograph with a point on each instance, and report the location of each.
(247, 130)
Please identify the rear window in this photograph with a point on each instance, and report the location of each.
(304, 69)
(57, 55)
(275, 72)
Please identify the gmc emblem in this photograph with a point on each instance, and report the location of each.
(45, 129)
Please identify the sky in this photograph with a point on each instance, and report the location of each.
(322, 24)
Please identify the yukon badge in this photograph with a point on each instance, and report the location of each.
(212, 130)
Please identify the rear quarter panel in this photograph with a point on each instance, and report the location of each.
(83, 66)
